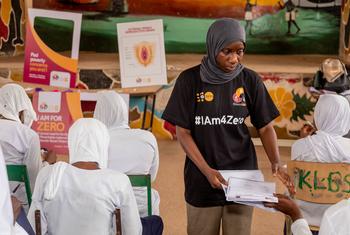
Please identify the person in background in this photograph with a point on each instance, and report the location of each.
(20, 144)
(332, 78)
(81, 197)
(131, 151)
(248, 16)
(335, 220)
(332, 122)
(290, 15)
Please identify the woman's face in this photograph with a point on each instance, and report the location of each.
(230, 56)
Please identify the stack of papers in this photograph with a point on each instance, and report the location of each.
(249, 188)
(243, 174)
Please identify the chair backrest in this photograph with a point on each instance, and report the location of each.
(118, 222)
(143, 181)
(323, 183)
(37, 216)
(19, 173)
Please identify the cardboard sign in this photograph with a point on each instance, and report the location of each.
(42, 65)
(320, 182)
(142, 53)
(56, 113)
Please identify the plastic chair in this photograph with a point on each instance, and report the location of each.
(143, 181)
(118, 222)
(37, 217)
(19, 173)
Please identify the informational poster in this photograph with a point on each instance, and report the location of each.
(44, 66)
(56, 112)
(141, 53)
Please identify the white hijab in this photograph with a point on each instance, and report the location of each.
(335, 220)
(88, 141)
(111, 109)
(332, 120)
(13, 100)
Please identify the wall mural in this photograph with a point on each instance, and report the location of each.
(107, 6)
(273, 26)
(12, 24)
(289, 92)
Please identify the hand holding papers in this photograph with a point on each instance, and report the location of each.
(249, 188)
(243, 190)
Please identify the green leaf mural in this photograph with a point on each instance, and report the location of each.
(304, 106)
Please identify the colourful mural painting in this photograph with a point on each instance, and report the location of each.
(12, 21)
(289, 91)
(273, 26)
(110, 6)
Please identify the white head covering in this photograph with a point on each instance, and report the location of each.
(6, 214)
(111, 109)
(88, 141)
(336, 219)
(13, 100)
(332, 119)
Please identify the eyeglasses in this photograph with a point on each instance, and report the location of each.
(228, 51)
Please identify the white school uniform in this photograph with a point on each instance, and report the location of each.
(131, 151)
(77, 201)
(332, 119)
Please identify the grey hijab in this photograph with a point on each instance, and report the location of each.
(221, 33)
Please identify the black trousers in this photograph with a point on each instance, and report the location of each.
(152, 225)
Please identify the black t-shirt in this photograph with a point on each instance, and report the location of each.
(215, 116)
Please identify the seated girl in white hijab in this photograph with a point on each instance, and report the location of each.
(80, 197)
(332, 120)
(20, 144)
(131, 151)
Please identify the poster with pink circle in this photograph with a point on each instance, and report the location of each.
(42, 65)
(141, 53)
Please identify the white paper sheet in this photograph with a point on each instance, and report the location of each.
(248, 188)
(243, 174)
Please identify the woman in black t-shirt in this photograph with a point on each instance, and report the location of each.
(208, 106)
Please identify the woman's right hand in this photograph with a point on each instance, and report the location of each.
(215, 178)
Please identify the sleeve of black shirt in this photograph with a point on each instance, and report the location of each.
(262, 110)
(180, 108)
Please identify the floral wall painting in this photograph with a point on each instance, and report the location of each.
(289, 92)
(12, 24)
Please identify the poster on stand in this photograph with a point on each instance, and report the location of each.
(56, 113)
(42, 65)
(141, 53)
